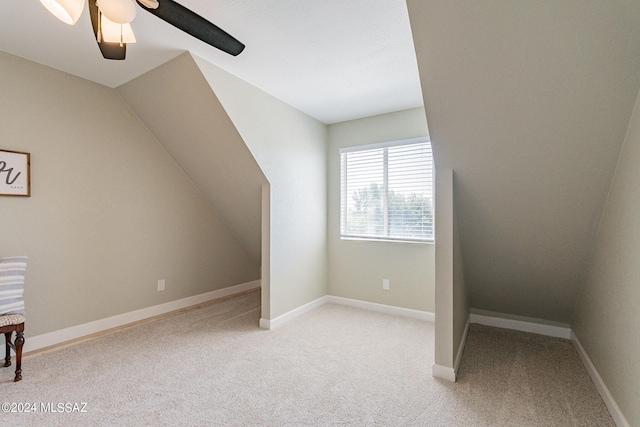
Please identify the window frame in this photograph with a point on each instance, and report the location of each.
(343, 193)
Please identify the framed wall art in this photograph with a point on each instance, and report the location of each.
(15, 173)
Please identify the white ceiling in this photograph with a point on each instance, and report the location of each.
(335, 60)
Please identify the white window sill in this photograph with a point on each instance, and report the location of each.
(364, 239)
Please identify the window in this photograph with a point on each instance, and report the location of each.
(386, 191)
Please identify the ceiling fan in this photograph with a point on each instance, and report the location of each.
(111, 23)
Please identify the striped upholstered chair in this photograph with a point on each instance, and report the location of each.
(12, 271)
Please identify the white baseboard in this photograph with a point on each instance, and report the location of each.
(79, 331)
(443, 372)
(613, 407)
(521, 325)
(371, 306)
(265, 323)
(382, 308)
(290, 315)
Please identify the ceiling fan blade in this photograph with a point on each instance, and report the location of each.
(195, 25)
(108, 50)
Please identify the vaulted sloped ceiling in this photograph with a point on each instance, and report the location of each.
(528, 102)
(180, 108)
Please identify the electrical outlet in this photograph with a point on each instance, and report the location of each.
(161, 284)
(385, 284)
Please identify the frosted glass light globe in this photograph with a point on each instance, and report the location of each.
(118, 11)
(68, 11)
(116, 33)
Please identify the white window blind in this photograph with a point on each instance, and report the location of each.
(387, 191)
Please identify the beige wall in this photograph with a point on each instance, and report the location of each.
(357, 267)
(528, 102)
(176, 103)
(452, 300)
(444, 269)
(460, 291)
(290, 148)
(607, 316)
(110, 212)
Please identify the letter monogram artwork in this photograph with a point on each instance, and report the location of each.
(15, 173)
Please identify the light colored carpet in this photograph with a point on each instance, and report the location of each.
(333, 366)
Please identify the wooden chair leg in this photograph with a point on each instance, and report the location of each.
(19, 343)
(7, 340)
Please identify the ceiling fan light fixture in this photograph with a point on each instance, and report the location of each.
(118, 11)
(113, 32)
(68, 11)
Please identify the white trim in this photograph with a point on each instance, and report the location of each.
(443, 372)
(520, 325)
(463, 342)
(355, 238)
(265, 323)
(79, 331)
(615, 411)
(365, 305)
(290, 315)
(395, 143)
(382, 308)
